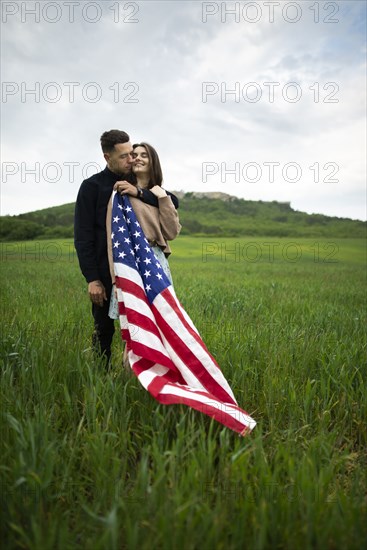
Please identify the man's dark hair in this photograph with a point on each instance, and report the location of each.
(111, 138)
(156, 176)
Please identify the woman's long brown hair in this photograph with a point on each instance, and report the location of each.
(156, 176)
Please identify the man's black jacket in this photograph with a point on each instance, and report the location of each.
(90, 236)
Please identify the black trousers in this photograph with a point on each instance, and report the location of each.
(104, 326)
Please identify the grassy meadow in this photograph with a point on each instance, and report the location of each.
(90, 461)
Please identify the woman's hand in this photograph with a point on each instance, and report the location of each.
(158, 191)
(125, 188)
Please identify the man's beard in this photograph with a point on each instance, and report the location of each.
(128, 176)
(127, 173)
(121, 173)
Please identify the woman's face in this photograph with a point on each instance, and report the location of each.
(141, 161)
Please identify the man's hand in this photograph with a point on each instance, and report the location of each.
(158, 191)
(126, 188)
(97, 292)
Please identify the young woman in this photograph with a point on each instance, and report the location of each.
(159, 223)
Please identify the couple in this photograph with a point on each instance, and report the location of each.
(168, 355)
(132, 170)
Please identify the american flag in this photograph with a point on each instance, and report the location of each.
(164, 348)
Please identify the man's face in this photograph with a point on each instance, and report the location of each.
(120, 160)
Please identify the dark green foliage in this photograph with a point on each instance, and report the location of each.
(239, 217)
(200, 217)
(12, 229)
(56, 215)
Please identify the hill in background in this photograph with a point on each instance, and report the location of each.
(201, 214)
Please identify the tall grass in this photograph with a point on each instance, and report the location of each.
(90, 460)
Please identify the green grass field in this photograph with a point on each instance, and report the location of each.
(89, 460)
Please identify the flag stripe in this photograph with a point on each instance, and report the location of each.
(164, 347)
(171, 394)
(153, 377)
(133, 301)
(131, 287)
(181, 324)
(187, 374)
(141, 322)
(139, 365)
(155, 381)
(153, 355)
(173, 304)
(187, 350)
(226, 408)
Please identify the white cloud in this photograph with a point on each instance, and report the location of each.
(169, 53)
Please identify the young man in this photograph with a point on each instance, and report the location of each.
(90, 236)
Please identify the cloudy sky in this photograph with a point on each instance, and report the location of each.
(263, 100)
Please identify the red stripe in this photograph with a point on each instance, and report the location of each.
(171, 376)
(205, 408)
(131, 288)
(140, 320)
(152, 355)
(156, 386)
(191, 361)
(176, 306)
(125, 334)
(141, 365)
